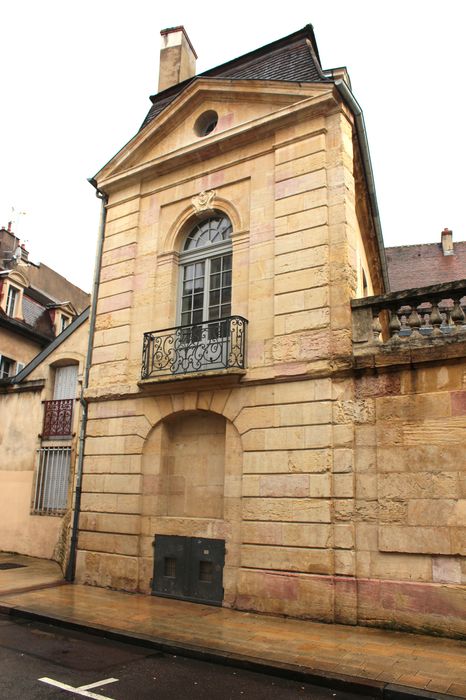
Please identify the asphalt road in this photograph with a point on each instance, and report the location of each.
(30, 651)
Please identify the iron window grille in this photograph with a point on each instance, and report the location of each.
(199, 347)
(52, 480)
(58, 418)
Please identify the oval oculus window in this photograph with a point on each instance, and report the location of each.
(206, 123)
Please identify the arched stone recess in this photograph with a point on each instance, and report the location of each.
(192, 464)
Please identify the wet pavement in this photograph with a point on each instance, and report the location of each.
(377, 657)
(41, 661)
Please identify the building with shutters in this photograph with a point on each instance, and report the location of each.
(36, 305)
(40, 414)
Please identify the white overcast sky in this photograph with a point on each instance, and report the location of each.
(75, 81)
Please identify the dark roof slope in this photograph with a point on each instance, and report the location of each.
(425, 264)
(78, 321)
(294, 58)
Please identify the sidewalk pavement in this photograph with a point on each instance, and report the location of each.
(27, 573)
(367, 660)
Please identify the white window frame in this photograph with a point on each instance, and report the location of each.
(12, 301)
(4, 358)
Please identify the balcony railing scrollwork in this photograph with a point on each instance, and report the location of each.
(211, 345)
(58, 418)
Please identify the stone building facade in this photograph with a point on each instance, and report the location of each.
(300, 456)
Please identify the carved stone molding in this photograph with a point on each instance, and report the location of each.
(203, 201)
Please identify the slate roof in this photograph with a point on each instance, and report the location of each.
(425, 264)
(294, 58)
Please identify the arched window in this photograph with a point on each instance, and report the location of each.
(205, 272)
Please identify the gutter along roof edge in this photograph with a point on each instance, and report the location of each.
(353, 104)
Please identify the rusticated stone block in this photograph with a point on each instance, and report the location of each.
(306, 560)
(419, 607)
(107, 570)
(342, 460)
(416, 407)
(303, 510)
(458, 403)
(420, 540)
(110, 543)
(379, 385)
(436, 512)
(343, 485)
(343, 536)
(418, 485)
(344, 562)
(357, 411)
(446, 570)
(301, 595)
(106, 522)
(310, 461)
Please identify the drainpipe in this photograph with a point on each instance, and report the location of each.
(352, 103)
(71, 566)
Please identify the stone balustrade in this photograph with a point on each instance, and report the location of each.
(412, 317)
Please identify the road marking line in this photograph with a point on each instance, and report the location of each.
(99, 683)
(78, 691)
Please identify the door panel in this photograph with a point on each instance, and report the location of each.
(206, 569)
(170, 565)
(189, 568)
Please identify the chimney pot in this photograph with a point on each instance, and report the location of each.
(447, 241)
(177, 57)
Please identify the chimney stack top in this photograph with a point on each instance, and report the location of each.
(177, 57)
(447, 241)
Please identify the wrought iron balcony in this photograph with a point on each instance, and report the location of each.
(58, 418)
(212, 345)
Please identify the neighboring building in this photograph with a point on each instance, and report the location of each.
(39, 420)
(426, 263)
(36, 305)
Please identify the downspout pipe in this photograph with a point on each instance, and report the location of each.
(71, 566)
(353, 104)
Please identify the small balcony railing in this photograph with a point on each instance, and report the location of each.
(212, 345)
(58, 418)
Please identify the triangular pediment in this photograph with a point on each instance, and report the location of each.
(239, 107)
(65, 307)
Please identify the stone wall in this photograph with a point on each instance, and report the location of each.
(299, 488)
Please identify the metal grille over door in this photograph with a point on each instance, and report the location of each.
(190, 568)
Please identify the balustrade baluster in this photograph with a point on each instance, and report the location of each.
(457, 315)
(376, 326)
(394, 326)
(435, 320)
(414, 322)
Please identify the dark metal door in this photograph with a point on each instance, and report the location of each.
(190, 568)
(207, 558)
(169, 565)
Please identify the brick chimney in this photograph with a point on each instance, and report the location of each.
(177, 57)
(447, 242)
